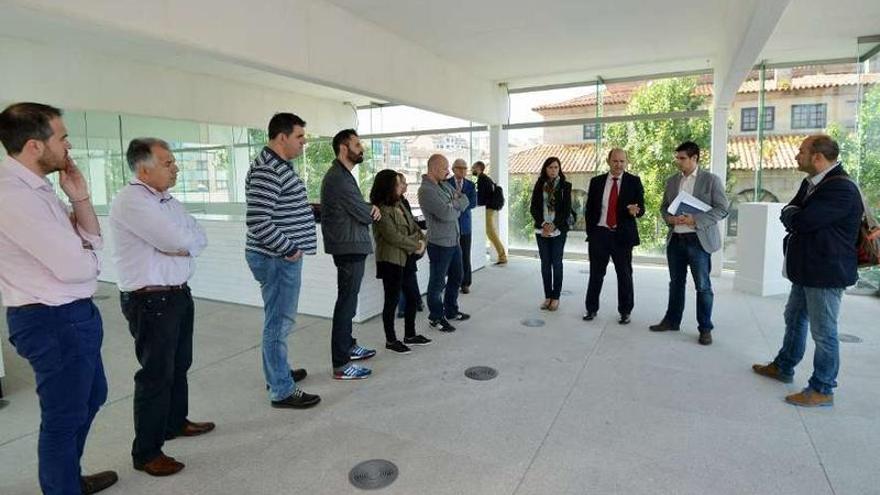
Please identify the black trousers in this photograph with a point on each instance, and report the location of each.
(396, 280)
(604, 245)
(349, 274)
(465, 243)
(162, 326)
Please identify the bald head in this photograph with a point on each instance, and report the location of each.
(438, 165)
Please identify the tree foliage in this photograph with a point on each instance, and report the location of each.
(650, 144)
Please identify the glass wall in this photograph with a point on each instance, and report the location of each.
(774, 110)
(648, 118)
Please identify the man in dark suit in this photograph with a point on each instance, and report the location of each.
(460, 183)
(614, 201)
(821, 260)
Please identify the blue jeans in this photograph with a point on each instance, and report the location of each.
(63, 346)
(685, 251)
(817, 308)
(280, 281)
(444, 262)
(550, 250)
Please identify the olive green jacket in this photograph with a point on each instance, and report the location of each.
(396, 234)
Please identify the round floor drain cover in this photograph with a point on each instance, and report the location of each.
(481, 373)
(845, 337)
(373, 474)
(533, 322)
(566, 293)
(3, 403)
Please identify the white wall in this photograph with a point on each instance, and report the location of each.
(75, 79)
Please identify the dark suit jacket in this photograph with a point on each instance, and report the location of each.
(469, 190)
(631, 192)
(823, 229)
(563, 202)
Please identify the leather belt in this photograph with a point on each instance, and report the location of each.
(160, 288)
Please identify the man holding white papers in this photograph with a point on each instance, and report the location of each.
(614, 201)
(693, 236)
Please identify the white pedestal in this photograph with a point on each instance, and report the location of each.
(759, 250)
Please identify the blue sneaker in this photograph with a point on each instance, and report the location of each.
(352, 372)
(358, 353)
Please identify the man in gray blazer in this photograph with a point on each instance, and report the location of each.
(691, 239)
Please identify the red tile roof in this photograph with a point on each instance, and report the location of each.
(575, 158)
(621, 94)
(779, 153)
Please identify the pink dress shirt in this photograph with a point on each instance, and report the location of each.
(146, 226)
(43, 258)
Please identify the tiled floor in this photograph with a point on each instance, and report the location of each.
(580, 408)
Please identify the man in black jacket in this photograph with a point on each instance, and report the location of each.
(345, 225)
(821, 260)
(614, 201)
(485, 191)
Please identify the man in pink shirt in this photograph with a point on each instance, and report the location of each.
(48, 274)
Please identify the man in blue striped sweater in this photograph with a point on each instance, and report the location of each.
(280, 230)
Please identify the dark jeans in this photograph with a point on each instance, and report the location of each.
(605, 245)
(445, 261)
(465, 243)
(550, 249)
(683, 251)
(162, 326)
(349, 274)
(399, 280)
(63, 346)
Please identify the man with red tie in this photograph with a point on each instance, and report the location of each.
(614, 200)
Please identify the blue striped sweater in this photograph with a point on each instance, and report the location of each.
(279, 218)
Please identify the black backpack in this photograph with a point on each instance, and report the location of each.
(496, 200)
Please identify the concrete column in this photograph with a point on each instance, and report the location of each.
(718, 167)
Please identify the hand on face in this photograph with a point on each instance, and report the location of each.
(72, 181)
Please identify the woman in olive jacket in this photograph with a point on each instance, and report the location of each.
(399, 244)
(552, 213)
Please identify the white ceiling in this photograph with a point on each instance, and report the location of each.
(518, 41)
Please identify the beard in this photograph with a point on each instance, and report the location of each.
(355, 157)
(50, 162)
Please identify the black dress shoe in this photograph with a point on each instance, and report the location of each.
(663, 327)
(297, 400)
(298, 375)
(96, 482)
(705, 338)
(589, 315)
(624, 319)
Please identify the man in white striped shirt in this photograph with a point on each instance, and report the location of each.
(156, 242)
(280, 230)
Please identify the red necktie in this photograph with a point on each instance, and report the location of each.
(612, 205)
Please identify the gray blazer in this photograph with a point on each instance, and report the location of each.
(709, 190)
(441, 207)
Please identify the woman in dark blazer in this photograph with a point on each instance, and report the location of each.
(552, 213)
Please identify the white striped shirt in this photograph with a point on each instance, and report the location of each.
(280, 220)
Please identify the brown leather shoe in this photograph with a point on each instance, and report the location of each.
(810, 398)
(160, 466)
(94, 483)
(663, 326)
(705, 338)
(192, 429)
(770, 370)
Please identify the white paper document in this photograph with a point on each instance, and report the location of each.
(686, 203)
